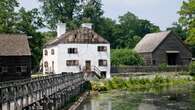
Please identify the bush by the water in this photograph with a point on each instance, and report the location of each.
(192, 69)
(163, 67)
(137, 82)
(125, 57)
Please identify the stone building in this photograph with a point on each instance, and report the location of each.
(163, 48)
(77, 51)
(15, 57)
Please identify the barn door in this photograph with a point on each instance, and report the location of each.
(172, 58)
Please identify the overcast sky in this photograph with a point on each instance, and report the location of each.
(160, 12)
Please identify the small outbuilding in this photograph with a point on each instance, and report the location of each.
(15, 57)
(163, 48)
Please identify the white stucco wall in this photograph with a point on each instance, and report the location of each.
(85, 52)
(49, 58)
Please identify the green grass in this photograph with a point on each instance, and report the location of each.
(34, 75)
(140, 82)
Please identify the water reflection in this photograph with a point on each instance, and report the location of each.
(173, 98)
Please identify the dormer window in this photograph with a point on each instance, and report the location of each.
(72, 50)
(52, 52)
(102, 48)
(46, 52)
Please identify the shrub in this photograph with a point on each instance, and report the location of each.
(138, 83)
(125, 57)
(163, 67)
(192, 69)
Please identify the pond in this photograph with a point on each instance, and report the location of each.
(161, 98)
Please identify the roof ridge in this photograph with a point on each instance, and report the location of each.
(14, 45)
(151, 41)
(83, 35)
(160, 32)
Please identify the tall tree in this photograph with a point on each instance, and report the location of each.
(72, 12)
(131, 29)
(60, 11)
(7, 15)
(92, 12)
(107, 28)
(187, 19)
(178, 29)
(29, 22)
(146, 27)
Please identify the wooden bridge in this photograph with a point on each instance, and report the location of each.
(43, 93)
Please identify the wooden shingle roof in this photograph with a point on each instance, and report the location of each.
(151, 41)
(14, 45)
(80, 36)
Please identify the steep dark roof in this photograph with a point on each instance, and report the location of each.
(151, 41)
(81, 35)
(14, 45)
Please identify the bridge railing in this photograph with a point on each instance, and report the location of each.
(40, 91)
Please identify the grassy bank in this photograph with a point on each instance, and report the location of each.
(136, 83)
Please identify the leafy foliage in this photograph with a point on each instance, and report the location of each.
(123, 35)
(107, 28)
(187, 20)
(22, 21)
(72, 12)
(192, 69)
(138, 83)
(59, 11)
(128, 32)
(92, 12)
(29, 22)
(178, 29)
(125, 57)
(163, 66)
(8, 15)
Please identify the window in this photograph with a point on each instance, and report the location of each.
(102, 62)
(21, 69)
(18, 69)
(72, 63)
(46, 52)
(46, 64)
(72, 50)
(52, 52)
(3, 69)
(154, 62)
(102, 48)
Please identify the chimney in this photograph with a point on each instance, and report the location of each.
(61, 29)
(87, 25)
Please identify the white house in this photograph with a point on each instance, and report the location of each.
(76, 51)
